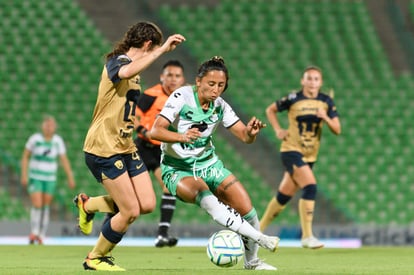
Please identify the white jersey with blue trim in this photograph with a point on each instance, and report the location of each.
(184, 111)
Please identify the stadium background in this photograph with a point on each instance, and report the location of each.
(51, 57)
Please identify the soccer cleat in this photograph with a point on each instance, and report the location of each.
(258, 264)
(162, 241)
(85, 219)
(39, 240)
(312, 243)
(101, 264)
(32, 238)
(268, 242)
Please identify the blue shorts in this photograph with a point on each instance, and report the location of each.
(114, 166)
(293, 159)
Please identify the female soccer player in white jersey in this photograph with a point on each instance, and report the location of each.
(39, 166)
(190, 168)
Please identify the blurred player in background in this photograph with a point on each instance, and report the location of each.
(150, 104)
(110, 152)
(190, 168)
(39, 166)
(308, 109)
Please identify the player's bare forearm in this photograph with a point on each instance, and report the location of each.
(68, 170)
(334, 125)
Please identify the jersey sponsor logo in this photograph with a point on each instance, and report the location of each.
(126, 133)
(200, 142)
(169, 105)
(210, 172)
(309, 109)
(200, 126)
(119, 164)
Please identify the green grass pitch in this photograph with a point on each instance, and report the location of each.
(193, 260)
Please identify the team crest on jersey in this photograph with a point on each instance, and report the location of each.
(214, 117)
(119, 164)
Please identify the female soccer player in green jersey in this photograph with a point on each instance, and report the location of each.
(190, 168)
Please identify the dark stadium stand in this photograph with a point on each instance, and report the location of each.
(66, 56)
(268, 44)
(48, 66)
(51, 62)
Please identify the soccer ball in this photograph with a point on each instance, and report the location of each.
(225, 248)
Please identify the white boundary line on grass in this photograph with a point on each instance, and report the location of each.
(137, 241)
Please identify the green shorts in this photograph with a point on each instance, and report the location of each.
(41, 186)
(213, 175)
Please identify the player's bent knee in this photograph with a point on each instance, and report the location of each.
(148, 207)
(133, 217)
(309, 192)
(131, 214)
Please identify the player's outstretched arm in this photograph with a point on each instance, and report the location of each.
(247, 133)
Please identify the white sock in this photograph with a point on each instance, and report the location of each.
(251, 247)
(45, 222)
(35, 216)
(227, 216)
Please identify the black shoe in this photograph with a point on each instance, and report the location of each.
(32, 239)
(162, 241)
